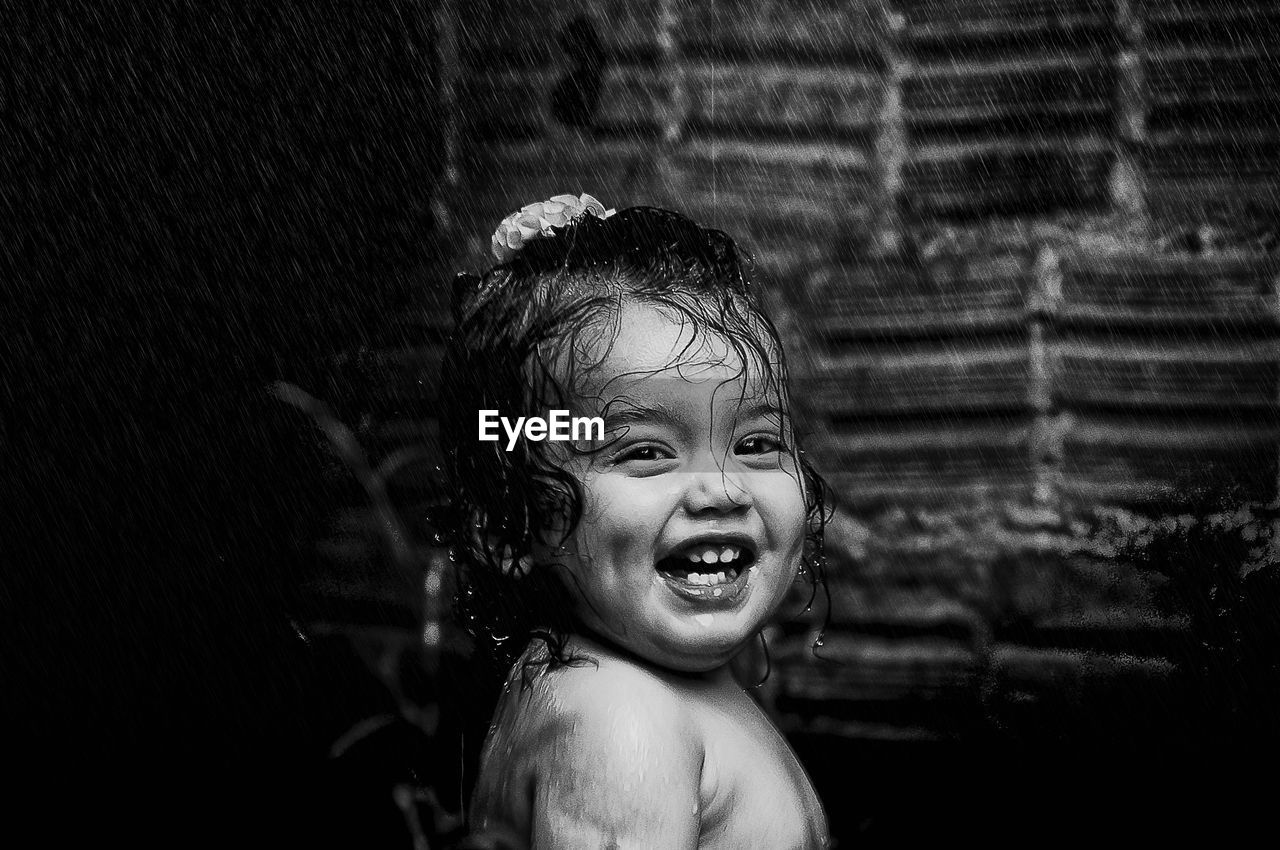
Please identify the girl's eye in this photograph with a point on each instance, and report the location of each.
(646, 452)
(758, 444)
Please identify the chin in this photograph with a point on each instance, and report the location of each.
(702, 653)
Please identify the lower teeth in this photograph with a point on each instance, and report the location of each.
(713, 581)
(694, 578)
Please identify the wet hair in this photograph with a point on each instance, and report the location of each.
(522, 331)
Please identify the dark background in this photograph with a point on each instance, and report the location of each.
(199, 199)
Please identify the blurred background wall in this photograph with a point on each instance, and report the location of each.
(1025, 257)
(1024, 254)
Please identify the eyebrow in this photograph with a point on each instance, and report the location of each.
(620, 413)
(762, 410)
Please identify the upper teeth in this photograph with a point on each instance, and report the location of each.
(713, 554)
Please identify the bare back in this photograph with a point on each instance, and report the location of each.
(615, 753)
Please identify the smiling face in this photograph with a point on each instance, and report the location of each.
(694, 515)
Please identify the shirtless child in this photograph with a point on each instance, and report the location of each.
(619, 571)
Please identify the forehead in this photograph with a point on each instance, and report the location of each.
(656, 348)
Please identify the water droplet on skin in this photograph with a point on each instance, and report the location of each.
(704, 620)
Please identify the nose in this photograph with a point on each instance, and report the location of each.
(717, 492)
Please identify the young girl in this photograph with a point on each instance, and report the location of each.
(612, 576)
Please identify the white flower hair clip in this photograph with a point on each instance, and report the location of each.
(539, 219)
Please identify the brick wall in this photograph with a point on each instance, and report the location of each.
(1024, 254)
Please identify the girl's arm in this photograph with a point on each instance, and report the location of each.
(620, 769)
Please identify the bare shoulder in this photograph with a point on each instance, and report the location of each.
(609, 752)
(597, 683)
(593, 711)
(601, 682)
(606, 707)
(619, 762)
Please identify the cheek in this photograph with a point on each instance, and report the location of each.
(621, 518)
(788, 526)
(784, 503)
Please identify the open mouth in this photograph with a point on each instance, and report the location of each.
(707, 570)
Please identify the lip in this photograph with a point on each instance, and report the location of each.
(706, 597)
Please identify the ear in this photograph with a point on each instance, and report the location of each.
(488, 549)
